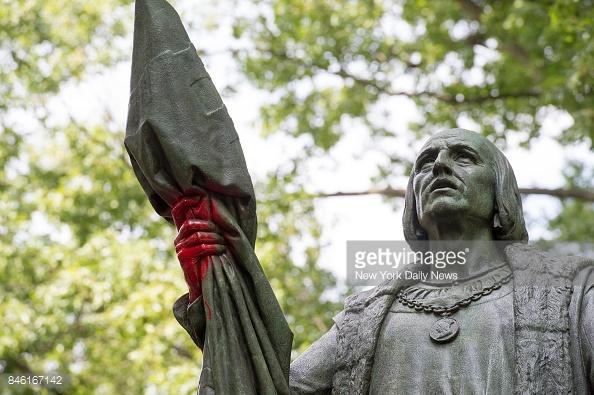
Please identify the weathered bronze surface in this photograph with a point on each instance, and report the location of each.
(534, 334)
(187, 156)
(444, 330)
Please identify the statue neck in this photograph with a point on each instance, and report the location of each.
(475, 239)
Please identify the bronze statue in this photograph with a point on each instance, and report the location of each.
(517, 320)
(528, 329)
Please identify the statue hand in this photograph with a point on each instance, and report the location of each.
(196, 241)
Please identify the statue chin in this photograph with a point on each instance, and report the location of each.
(443, 208)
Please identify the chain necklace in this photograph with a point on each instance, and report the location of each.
(447, 328)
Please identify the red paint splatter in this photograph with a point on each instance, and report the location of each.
(194, 268)
(208, 310)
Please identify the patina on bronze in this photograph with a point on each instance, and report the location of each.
(187, 157)
(536, 336)
(546, 314)
(447, 328)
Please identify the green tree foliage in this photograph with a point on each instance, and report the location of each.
(87, 269)
(289, 247)
(503, 67)
(96, 305)
(87, 280)
(500, 66)
(45, 43)
(576, 221)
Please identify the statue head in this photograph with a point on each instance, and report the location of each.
(459, 174)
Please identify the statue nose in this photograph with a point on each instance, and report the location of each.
(442, 164)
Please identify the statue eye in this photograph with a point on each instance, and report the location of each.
(424, 164)
(425, 161)
(465, 157)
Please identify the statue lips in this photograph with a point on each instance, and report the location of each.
(443, 185)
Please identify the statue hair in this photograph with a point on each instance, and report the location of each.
(508, 205)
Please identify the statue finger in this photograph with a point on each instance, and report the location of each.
(194, 225)
(178, 212)
(200, 238)
(200, 251)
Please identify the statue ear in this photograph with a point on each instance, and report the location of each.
(420, 233)
(496, 219)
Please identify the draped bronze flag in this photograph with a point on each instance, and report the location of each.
(183, 144)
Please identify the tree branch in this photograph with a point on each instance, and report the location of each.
(574, 193)
(183, 352)
(180, 350)
(442, 97)
(386, 89)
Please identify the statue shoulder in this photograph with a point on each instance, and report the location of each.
(361, 300)
(525, 257)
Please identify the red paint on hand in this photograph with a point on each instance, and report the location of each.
(197, 240)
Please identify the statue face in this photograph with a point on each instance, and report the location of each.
(454, 176)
